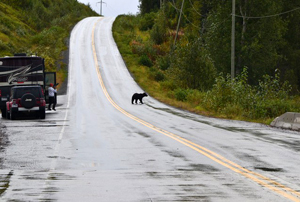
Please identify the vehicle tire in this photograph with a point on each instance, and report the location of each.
(7, 114)
(42, 114)
(13, 115)
(28, 100)
(4, 112)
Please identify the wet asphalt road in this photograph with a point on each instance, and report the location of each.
(97, 146)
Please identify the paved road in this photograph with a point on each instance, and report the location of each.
(97, 146)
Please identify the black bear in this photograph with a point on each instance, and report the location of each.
(138, 96)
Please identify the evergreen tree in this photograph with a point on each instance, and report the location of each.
(147, 6)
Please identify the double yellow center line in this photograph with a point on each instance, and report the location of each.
(256, 177)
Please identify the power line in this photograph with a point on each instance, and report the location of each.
(195, 9)
(196, 26)
(268, 16)
(184, 15)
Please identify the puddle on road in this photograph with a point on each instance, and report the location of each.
(49, 121)
(5, 180)
(170, 111)
(60, 176)
(175, 154)
(144, 134)
(269, 169)
(32, 122)
(58, 157)
(50, 190)
(185, 186)
(37, 126)
(200, 167)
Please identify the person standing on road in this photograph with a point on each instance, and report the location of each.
(51, 93)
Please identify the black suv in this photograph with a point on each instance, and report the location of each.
(26, 99)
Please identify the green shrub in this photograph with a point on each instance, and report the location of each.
(147, 21)
(158, 33)
(168, 85)
(4, 29)
(267, 100)
(137, 47)
(164, 62)
(191, 66)
(195, 96)
(159, 76)
(144, 60)
(127, 22)
(181, 94)
(232, 110)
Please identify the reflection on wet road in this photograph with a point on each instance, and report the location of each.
(97, 146)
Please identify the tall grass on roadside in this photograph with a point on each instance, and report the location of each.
(235, 97)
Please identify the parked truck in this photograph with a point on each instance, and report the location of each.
(22, 70)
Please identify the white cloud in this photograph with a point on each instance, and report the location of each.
(113, 7)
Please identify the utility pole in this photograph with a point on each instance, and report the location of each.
(162, 5)
(101, 2)
(233, 41)
(178, 23)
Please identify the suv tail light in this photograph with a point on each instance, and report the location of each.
(42, 102)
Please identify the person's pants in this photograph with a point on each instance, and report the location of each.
(51, 101)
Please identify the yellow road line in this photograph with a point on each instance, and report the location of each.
(256, 177)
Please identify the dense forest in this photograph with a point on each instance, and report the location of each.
(39, 27)
(267, 35)
(186, 47)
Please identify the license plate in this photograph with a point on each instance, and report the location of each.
(4, 99)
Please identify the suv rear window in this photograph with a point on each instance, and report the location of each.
(19, 92)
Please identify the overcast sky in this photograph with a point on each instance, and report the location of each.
(114, 7)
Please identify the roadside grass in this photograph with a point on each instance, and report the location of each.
(227, 99)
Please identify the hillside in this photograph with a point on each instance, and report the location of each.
(40, 27)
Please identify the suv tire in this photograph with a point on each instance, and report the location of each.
(42, 114)
(4, 112)
(28, 100)
(13, 114)
(7, 114)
